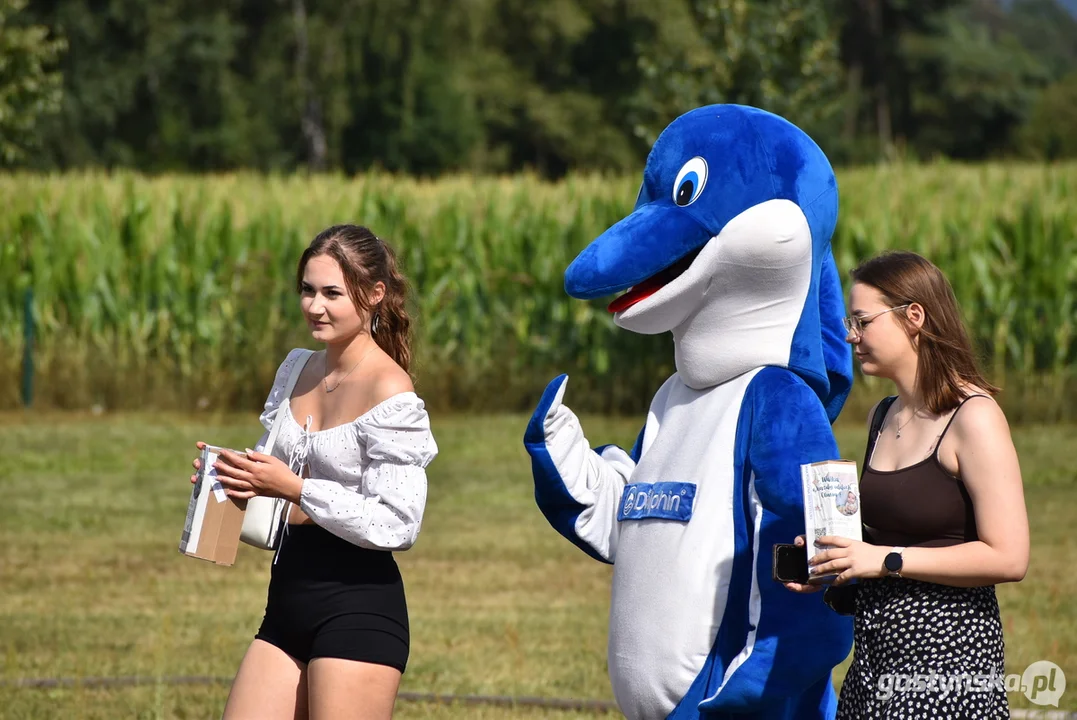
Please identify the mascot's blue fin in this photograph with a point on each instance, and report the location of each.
(837, 354)
(772, 642)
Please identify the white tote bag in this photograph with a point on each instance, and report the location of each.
(265, 515)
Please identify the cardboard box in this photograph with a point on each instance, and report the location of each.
(214, 520)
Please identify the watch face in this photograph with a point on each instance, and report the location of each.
(892, 562)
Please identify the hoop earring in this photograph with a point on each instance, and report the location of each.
(374, 324)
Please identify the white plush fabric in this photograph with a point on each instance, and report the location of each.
(737, 306)
(367, 478)
(659, 639)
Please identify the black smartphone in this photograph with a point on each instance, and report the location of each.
(790, 563)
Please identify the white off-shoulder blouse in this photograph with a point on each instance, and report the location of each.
(366, 479)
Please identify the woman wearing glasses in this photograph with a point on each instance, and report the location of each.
(942, 505)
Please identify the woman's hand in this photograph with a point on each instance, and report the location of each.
(798, 587)
(197, 462)
(849, 558)
(245, 476)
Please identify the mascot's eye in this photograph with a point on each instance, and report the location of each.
(690, 181)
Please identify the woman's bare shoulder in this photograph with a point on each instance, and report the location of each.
(389, 379)
(980, 417)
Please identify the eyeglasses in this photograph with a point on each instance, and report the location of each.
(855, 323)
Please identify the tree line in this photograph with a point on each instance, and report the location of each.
(426, 87)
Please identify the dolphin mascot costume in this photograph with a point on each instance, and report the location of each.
(728, 248)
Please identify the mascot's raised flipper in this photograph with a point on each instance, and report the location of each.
(728, 248)
(576, 488)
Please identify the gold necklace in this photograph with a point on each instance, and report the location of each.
(325, 378)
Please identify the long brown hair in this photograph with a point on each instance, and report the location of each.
(945, 360)
(366, 259)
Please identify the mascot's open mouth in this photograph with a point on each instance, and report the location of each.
(642, 291)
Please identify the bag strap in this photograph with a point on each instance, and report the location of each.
(877, 425)
(293, 378)
(282, 507)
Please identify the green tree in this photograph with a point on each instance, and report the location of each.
(407, 102)
(780, 55)
(426, 87)
(875, 37)
(546, 79)
(152, 85)
(971, 84)
(1048, 31)
(30, 87)
(1051, 132)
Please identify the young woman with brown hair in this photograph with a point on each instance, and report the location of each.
(334, 641)
(942, 505)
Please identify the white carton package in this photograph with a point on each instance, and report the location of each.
(214, 520)
(831, 503)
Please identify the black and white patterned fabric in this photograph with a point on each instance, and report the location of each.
(925, 650)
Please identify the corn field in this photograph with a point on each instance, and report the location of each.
(178, 292)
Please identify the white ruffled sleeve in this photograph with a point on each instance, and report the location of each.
(387, 511)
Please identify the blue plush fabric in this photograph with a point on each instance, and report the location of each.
(837, 354)
(798, 639)
(658, 234)
(752, 156)
(637, 448)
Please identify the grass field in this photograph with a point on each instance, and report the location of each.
(93, 586)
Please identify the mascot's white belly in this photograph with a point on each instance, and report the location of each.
(671, 578)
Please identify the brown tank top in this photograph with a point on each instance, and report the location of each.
(921, 505)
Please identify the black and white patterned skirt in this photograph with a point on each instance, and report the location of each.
(924, 650)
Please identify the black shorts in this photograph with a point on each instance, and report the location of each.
(329, 598)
